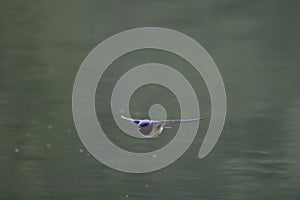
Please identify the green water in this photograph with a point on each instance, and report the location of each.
(255, 45)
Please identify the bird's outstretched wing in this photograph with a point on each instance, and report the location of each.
(175, 121)
(137, 121)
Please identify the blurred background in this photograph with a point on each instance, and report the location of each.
(255, 45)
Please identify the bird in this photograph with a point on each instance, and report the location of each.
(153, 128)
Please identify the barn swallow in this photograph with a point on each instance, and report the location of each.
(153, 128)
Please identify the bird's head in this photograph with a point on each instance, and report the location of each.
(144, 123)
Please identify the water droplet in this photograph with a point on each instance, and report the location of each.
(34, 121)
(154, 155)
(50, 126)
(126, 195)
(48, 145)
(17, 150)
(80, 150)
(146, 185)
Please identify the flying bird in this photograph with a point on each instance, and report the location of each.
(153, 128)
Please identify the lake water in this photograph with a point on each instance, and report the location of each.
(255, 46)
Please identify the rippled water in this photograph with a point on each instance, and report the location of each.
(254, 44)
